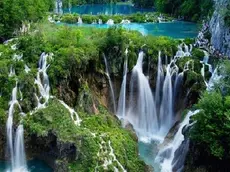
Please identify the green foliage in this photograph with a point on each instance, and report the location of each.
(227, 16)
(103, 125)
(213, 124)
(191, 9)
(12, 16)
(135, 17)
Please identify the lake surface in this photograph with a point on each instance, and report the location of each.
(33, 166)
(108, 9)
(177, 29)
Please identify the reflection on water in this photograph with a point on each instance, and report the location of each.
(108, 9)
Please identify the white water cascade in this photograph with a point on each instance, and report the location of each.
(42, 82)
(17, 152)
(110, 22)
(110, 84)
(172, 156)
(205, 63)
(166, 108)
(142, 111)
(20, 158)
(151, 118)
(160, 77)
(74, 115)
(79, 20)
(58, 7)
(168, 161)
(122, 98)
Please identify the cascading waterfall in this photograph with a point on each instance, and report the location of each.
(142, 112)
(110, 22)
(42, 82)
(79, 20)
(58, 7)
(17, 152)
(110, 84)
(166, 108)
(122, 98)
(160, 77)
(20, 158)
(172, 156)
(9, 124)
(205, 63)
(168, 161)
(150, 117)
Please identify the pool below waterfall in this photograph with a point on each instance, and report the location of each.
(33, 166)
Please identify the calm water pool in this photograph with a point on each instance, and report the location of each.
(176, 29)
(33, 166)
(108, 9)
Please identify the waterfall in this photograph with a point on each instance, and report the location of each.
(160, 77)
(79, 20)
(142, 112)
(74, 115)
(9, 124)
(213, 80)
(42, 81)
(205, 63)
(122, 98)
(180, 53)
(170, 162)
(166, 108)
(17, 152)
(27, 69)
(70, 7)
(12, 71)
(100, 21)
(58, 7)
(125, 22)
(20, 158)
(110, 84)
(110, 22)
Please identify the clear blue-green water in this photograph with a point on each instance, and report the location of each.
(33, 166)
(108, 9)
(177, 29)
(148, 153)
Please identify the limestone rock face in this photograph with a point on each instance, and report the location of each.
(220, 32)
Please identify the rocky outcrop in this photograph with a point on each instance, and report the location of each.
(220, 31)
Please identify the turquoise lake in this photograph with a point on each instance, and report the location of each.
(108, 9)
(33, 166)
(177, 29)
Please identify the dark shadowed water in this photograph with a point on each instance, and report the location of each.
(33, 166)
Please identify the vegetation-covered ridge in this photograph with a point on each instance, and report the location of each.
(136, 17)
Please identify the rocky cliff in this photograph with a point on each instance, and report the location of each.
(220, 31)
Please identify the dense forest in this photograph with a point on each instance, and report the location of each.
(63, 80)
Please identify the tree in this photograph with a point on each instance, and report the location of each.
(14, 12)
